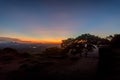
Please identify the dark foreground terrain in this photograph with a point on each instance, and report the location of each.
(15, 66)
(102, 64)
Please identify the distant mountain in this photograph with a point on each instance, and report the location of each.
(12, 40)
(7, 39)
(15, 40)
(23, 46)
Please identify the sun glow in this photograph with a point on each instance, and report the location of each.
(45, 41)
(26, 39)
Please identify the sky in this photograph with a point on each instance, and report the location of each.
(55, 20)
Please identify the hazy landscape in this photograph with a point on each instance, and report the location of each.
(70, 61)
(59, 40)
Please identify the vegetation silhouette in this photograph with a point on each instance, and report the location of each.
(83, 43)
(54, 52)
(51, 63)
(109, 59)
(9, 50)
(115, 42)
(8, 54)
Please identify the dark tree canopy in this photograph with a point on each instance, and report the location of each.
(67, 42)
(85, 38)
(115, 42)
(90, 38)
(83, 42)
(110, 37)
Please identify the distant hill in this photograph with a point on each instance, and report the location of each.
(7, 39)
(13, 40)
(24, 46)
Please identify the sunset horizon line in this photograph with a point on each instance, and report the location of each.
(33, 41)
(24, 39)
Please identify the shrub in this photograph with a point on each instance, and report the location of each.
(52, 51)
(115, 42)
(26, 55)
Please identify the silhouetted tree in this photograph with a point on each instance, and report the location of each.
(104, 41)
(110, 37)
(84, 42)
(67, 42)
(79, 44)
(115, 42)
(92, 39)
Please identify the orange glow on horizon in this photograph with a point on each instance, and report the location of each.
(41, 41)
(26, 39)
(45, 41)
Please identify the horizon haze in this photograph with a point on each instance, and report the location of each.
(50, 21)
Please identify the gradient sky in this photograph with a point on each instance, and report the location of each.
(54, 20)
